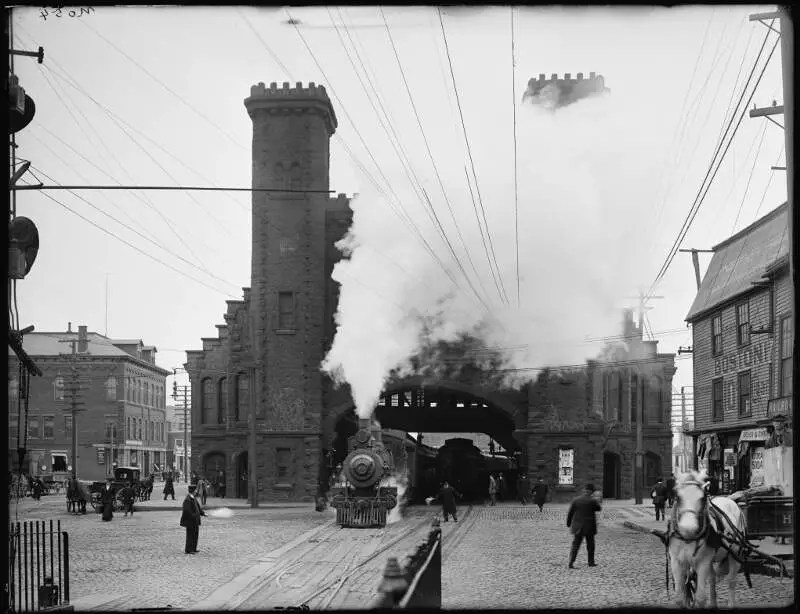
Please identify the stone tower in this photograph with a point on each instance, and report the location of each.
(292, 127)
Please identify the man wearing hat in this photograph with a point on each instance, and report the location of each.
(582, 522)
(190, 518)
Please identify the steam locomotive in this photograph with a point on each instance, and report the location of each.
(359, 498)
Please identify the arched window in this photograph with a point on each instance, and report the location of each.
(222, 411)
(207, 400)
(111, 388)
(242, 397)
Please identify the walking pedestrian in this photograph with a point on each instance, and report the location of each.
(523, 488)
(492, 490)
(169, 488)
(447, 495)
(659, 495)
(107, 499)
(202, 489)
(583, 524)
(671, 489)
(540, 493)
(190, 518)
(37, 489)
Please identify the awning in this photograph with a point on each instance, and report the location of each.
(759, 434)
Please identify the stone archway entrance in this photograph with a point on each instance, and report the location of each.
(241, 475)
(612, 476)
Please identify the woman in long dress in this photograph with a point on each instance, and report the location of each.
(107, 498)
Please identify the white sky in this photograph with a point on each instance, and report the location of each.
(209, 58)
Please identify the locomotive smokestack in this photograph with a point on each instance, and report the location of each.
(364, 424)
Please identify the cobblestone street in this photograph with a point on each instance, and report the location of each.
(516, 557)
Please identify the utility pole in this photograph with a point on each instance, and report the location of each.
(642, 298)
(72, 395)
(696, 261)
(181, 394)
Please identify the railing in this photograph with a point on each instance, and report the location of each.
(38, 558)
(419, 584)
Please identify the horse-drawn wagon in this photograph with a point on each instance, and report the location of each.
(122, 477)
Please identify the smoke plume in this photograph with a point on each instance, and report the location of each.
(585, 173)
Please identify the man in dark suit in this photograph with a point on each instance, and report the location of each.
(190, 518)
(447, 496)
(582, 522)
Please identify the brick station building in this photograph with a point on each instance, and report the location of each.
(569, 428)
(742, 333)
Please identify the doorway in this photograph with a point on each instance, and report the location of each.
(612, 475)
(241, 476)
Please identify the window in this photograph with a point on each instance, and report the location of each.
(49, 427)
(207, 393)
(242, 397)
(178, 443)
(283, 462)
(286, 311)
(222, 411)
(111, 389)
(716, 334)
(634, 398)
(620, 392)
(744, 393)
(33, 427)
(68, 426)
(743, 323)
(152, 430)
(566, 458)
(786, 357)
(653, 405)
(58, 388)
(139, 429)
(716, 399)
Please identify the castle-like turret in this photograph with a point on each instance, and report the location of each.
(556, 93)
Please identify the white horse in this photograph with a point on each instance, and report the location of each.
(704, 531)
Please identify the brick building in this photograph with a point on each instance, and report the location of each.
(122, 416)
(569, 427)
(742, 333)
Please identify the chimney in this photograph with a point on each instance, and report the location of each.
(364, 424)
(83, 341)
(69, 327)
(628, 325)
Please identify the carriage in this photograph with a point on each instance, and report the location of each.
(122, 477)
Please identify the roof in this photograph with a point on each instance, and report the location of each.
(742, 259)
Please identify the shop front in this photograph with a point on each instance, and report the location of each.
(734, 459)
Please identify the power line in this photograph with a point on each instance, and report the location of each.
(498, 279)
(700, 194)
(750, 177)
(165, 86)
(435, 168)
(516, 191)
(181, 188)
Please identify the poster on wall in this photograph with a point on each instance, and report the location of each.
(756, 467)
(101, 456)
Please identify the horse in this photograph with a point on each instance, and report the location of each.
(77, 497)
(704, 531)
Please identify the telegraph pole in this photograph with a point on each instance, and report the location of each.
(72, 394)
(181, 394)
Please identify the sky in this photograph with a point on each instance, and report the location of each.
(154, 96)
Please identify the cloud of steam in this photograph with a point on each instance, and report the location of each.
(400, 481)
(586, 173)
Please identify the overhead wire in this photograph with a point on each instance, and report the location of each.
(516, 188)
(700, 194)
(749, 178)
(498, 279)
(435, 167)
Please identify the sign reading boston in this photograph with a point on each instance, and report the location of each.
(750, 356)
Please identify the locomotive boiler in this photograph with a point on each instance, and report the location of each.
(359, 497)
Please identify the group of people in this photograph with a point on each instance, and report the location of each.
(524, 490)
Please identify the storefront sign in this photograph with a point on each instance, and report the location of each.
(756, 467)
(779, 407)
(750, 356)
(754, 435)
(730, 457)
(101, 456)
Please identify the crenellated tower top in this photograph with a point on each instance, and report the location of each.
(287, 100)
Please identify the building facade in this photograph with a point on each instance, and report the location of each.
(121, 417)
(568, 427)
(742, 340)
(179, 441)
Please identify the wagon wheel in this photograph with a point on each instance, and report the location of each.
(97, 503)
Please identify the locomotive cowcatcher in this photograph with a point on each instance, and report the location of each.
(358, 497)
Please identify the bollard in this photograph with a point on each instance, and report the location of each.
(393, 585)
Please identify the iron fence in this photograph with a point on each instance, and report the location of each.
(38, 569)
(419, 583)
